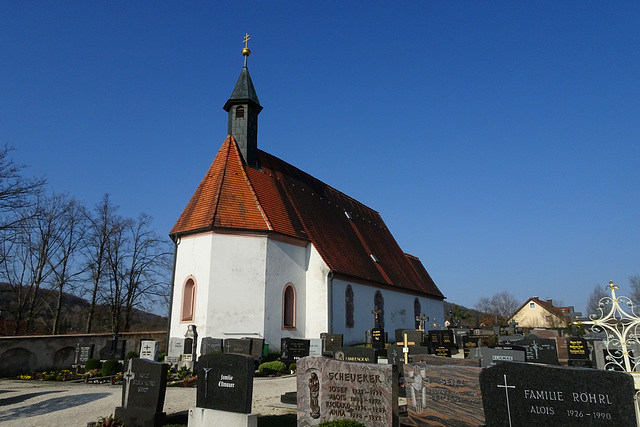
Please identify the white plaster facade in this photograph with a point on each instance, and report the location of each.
(240, 279)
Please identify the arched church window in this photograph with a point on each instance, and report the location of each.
(240, 112)
(378, 304)
(289, 306)
(188, 300)
(416, 311)
(348, 301)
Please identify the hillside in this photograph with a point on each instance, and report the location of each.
(73, 315)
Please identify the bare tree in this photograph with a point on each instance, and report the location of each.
(65, 270)
(101, 226)
(599, 292)
(502, 304)
(634, 283)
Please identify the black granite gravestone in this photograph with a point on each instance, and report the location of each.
(469, 342)
(440, 342)
(114, 349)
(210, 345)
(257, 347)
(539, 350)
(356, 354)
(524, 394)
(293, 349)
(83, 353)
(413, 337)
(578, 348)
(377, 338)
(225, 382)
(143, 392)
(330, 343)
(237, 346)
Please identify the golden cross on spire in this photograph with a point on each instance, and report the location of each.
(246, 52)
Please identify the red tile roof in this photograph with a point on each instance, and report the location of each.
(281, 198)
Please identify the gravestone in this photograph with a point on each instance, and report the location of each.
(492, 356)
(149, 350)
(83, 353)
(510, 339)
(441, 342)
(225, 382)
(293, 349)
(175, 350)
(431, 359)
(189, 353)
(115, 349)
(563, 350)
(143, 391)
(237, 346)
(210, 345)
(443, 395)
(257, 347)
(578, 352)
(315, 347)
(469, 342)
(329, 389)
(413, 337)
(330, 343)
(545, 333)
(539, 350)
(377, 338)
(524, 394)
(612, 358)
(356, 354)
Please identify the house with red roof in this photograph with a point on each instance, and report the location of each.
(264, 249)
(536, 313)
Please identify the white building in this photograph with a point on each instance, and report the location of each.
(265, 250)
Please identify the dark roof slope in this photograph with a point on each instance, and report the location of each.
(284, 199)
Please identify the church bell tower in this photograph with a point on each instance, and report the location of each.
(243, 108)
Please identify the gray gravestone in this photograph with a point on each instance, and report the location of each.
(443, 395)
(330, 343)
(523, 394)
(257, 347)
(329, 389)
(356, 354)
(237, 346)
(149, 350)
(225, 382)
(210, 345)
(176, 347)
(493, 356)
(293, 349)
(143, 392)
(510, 339)
(539, 350)
(315, 347)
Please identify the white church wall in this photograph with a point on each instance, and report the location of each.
(230, 274)
(398, 310)
(317, 301)
(286, 263)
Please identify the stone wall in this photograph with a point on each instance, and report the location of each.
(28, 354)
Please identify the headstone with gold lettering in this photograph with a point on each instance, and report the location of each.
(329, 389)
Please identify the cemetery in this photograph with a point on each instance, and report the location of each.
(440, 376)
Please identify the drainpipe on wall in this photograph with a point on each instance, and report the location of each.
(176, 242)
(330, 301)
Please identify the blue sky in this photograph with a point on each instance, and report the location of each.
(498, 139)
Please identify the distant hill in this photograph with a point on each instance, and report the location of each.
(73, 316)
(470, 318)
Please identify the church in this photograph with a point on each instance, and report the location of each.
(265, 250)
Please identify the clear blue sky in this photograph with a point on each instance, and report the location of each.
(498, 140)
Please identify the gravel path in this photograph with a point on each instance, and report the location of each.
(40, 403)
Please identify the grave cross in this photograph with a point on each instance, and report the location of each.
(405, 349)
(506, 392)
(422, 319)
(206, 380)
(128, 377)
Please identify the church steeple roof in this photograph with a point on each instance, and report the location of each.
(244, 90)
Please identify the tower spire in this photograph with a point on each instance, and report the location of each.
(243, 108)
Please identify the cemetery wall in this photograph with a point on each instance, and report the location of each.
(28, 354)
(398, 310)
